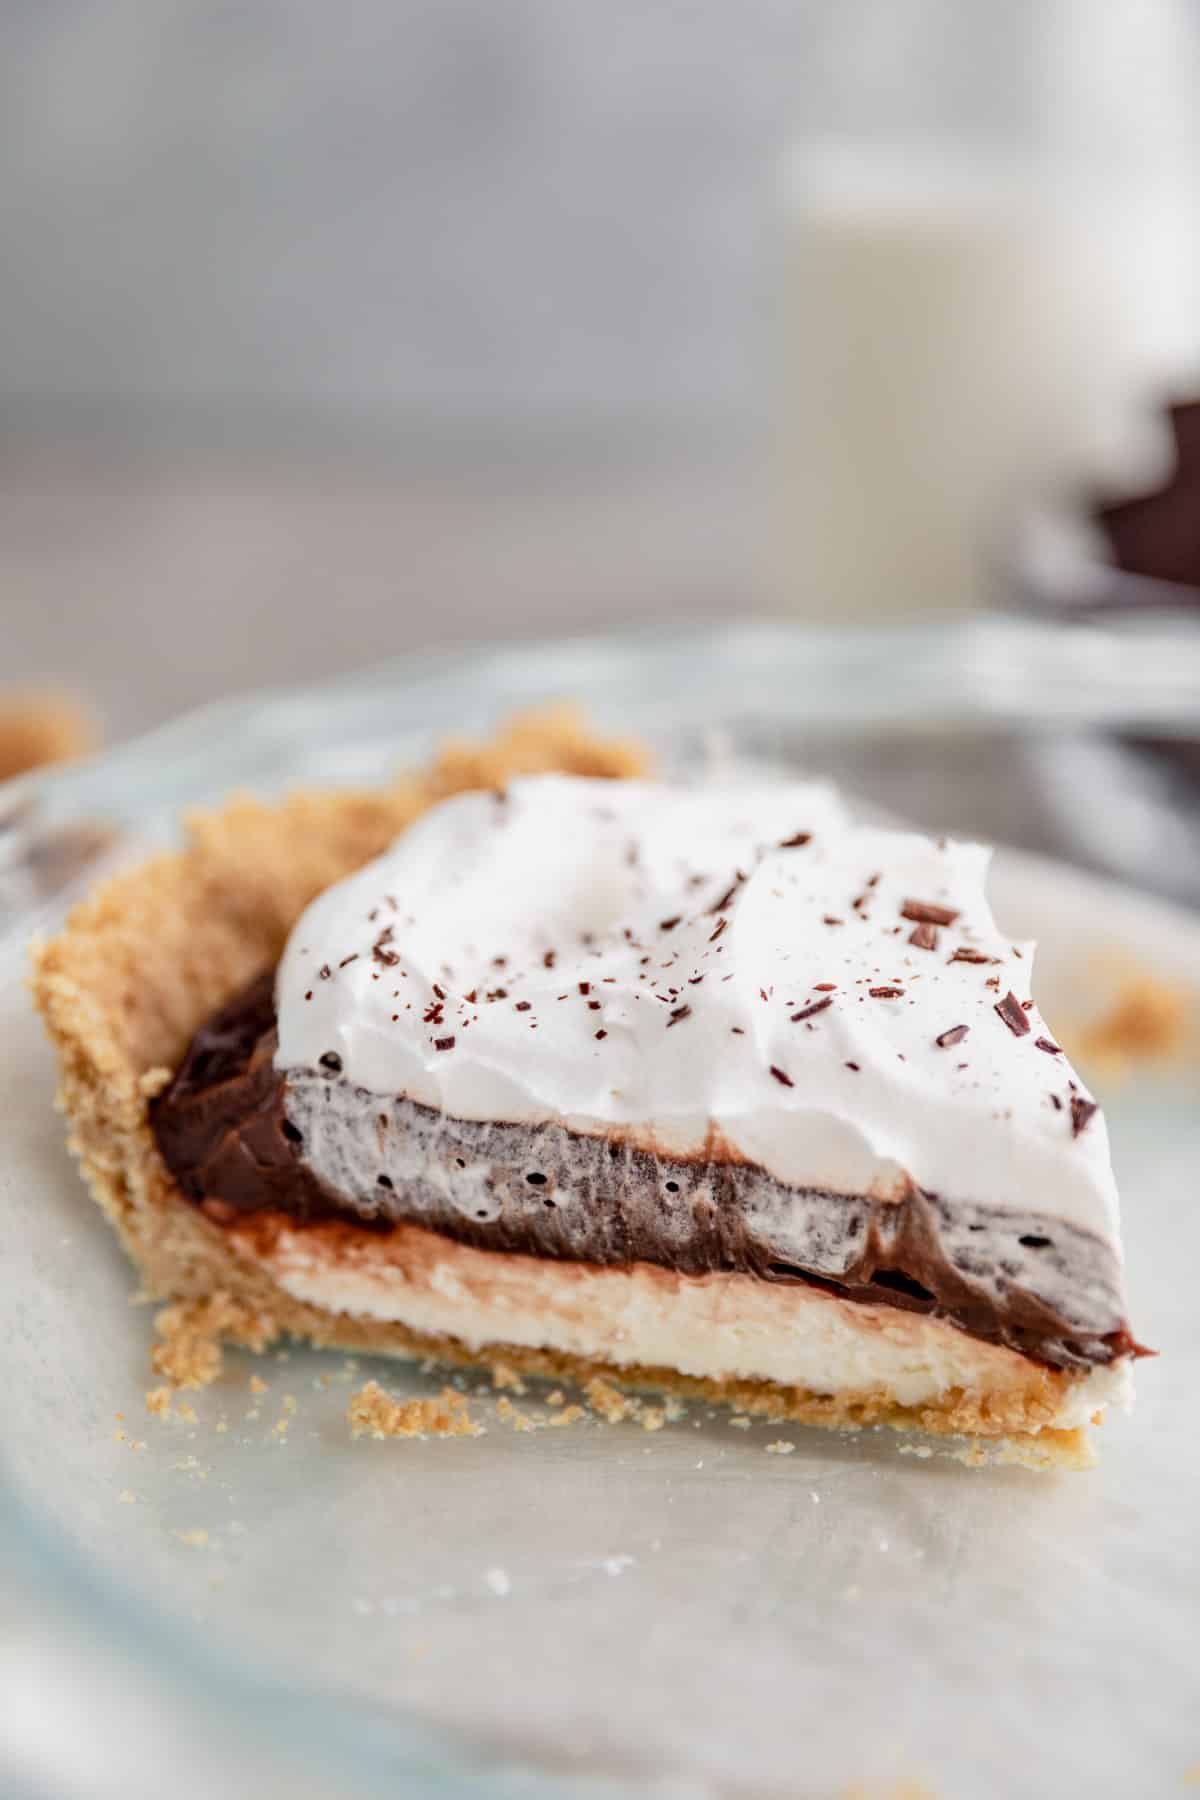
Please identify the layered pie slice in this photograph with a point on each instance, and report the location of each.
(696, 1087)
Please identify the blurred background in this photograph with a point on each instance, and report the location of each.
(329, 333)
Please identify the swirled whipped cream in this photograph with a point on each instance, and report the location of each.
(731, 971)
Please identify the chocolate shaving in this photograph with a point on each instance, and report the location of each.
(1082, 1111)
(797, 841)
(1047, 1046)
(585, 987)
(924, 936)
(602, 1034)
(548, 960)
(925, 912)
(947, 1039)
(381, 954)
(1013, 1014)
(444, 1043)
(825, 987)
(680, 1012)
(496, 994)
(1056, 1103)
(886, 993)
(433, 1013)
(782, 1076)
(814, 1006)
(353, 957)
(439, 991)
(721, 926)
(830, 920)
(669, 924)
(522, 1005)
(854, 1066)
(727, 896)
(966, 954)
(325, 972)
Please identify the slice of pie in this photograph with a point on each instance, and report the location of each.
(701, 1088)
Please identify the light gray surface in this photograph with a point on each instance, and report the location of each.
(152, 589)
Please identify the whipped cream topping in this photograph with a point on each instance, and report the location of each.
(722, 970)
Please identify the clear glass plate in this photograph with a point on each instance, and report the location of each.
(598, 1609)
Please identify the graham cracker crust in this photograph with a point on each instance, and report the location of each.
(145, 960)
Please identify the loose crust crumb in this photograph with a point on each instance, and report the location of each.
(1147, 1022)
(36, 729)
(608, 1401)
(189, 1350)
(373, 1411)
(158, 1402)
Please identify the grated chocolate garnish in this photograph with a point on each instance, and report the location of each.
(1082, 1112)
(669, 924)
(966, 954)
(602, 1034)
(727, 896)
(1013, 1014)
(522, 1005)
(325, 972)
(496, 994)
(353, 957)
(927, 912)
(444, 1043)
(797, 841)
(814, 1006)
(548, 960)
(886, 993)
(680, 1012)
(721, 926)
(946, 1040)
(1056, 1103)
(830, 920)
(381, 953)
(1046, 1045)
(782, 1076)
(924, 936)
(854, 1066)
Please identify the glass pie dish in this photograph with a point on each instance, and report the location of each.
(240, 1595)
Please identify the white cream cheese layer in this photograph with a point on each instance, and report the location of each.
(722, 1327)
(733, 966)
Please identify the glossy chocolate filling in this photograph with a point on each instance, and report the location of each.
(234, 1132)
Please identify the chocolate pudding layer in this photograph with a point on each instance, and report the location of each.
(240, 1138)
